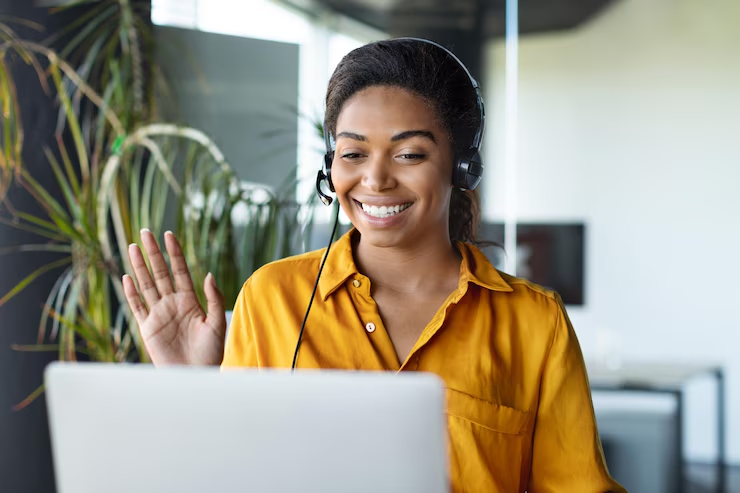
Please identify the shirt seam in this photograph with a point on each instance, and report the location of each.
(548, 293)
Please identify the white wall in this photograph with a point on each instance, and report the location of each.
(632, 124)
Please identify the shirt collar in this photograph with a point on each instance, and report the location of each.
(340, 265)
(475, 267)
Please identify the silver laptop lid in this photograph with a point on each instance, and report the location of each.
(123, 428)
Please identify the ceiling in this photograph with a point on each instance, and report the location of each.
(488, 17)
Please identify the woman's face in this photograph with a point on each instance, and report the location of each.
(392, 169)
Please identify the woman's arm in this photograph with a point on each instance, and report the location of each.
(240, 350)
(567, 453)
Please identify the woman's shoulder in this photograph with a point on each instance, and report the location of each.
(510, 287)
(538, 312)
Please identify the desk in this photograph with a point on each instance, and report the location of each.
(667, 379)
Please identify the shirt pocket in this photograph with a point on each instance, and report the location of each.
(487, 444)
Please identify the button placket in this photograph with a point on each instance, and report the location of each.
(370, 326)
(359, 287)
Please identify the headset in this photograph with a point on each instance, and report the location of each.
(466, 173)
(468, 168)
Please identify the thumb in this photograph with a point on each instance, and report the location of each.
(216, 316)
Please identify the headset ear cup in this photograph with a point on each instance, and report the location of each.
(468, 170)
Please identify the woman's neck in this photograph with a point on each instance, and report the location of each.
(427, 266)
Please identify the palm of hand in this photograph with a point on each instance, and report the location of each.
(177, 325)
(175, 329)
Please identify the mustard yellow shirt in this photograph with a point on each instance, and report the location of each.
(520, 416)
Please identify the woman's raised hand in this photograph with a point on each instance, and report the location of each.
(174, 327)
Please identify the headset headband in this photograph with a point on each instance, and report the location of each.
(477, 140)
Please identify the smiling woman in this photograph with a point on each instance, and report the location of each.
(406, 290)
(392, 152)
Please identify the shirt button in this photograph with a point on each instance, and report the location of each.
(370, 327)
(356, 283)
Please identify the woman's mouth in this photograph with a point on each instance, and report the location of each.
(384, 211)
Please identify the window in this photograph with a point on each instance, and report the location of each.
(322, 43)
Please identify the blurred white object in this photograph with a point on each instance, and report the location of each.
(123, 428)
(608, 348)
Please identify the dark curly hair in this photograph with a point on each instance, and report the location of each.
(430, 73)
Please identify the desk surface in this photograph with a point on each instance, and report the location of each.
(639, 376)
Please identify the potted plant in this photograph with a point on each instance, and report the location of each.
(120, 170)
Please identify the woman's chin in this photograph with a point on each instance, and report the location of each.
(387, 238)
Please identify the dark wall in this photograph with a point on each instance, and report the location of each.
(249, 103)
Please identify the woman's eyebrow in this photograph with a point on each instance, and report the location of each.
(396, 138)
(414, 133)
(352, 135)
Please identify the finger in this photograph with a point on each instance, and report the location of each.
(180, 270)
(146, 284)
(160, 271)
(216, 317)
(134, 300)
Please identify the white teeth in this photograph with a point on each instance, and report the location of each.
(384, 211)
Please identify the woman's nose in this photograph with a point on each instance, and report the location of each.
(378, 174)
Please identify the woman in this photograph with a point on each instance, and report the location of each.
(405, 290)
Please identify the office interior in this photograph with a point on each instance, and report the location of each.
(612, 175)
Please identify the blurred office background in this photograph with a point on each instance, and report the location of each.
(612, 168)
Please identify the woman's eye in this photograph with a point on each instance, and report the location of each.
(412, 157)
(351, 155)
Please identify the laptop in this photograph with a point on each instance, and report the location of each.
(124, 428)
